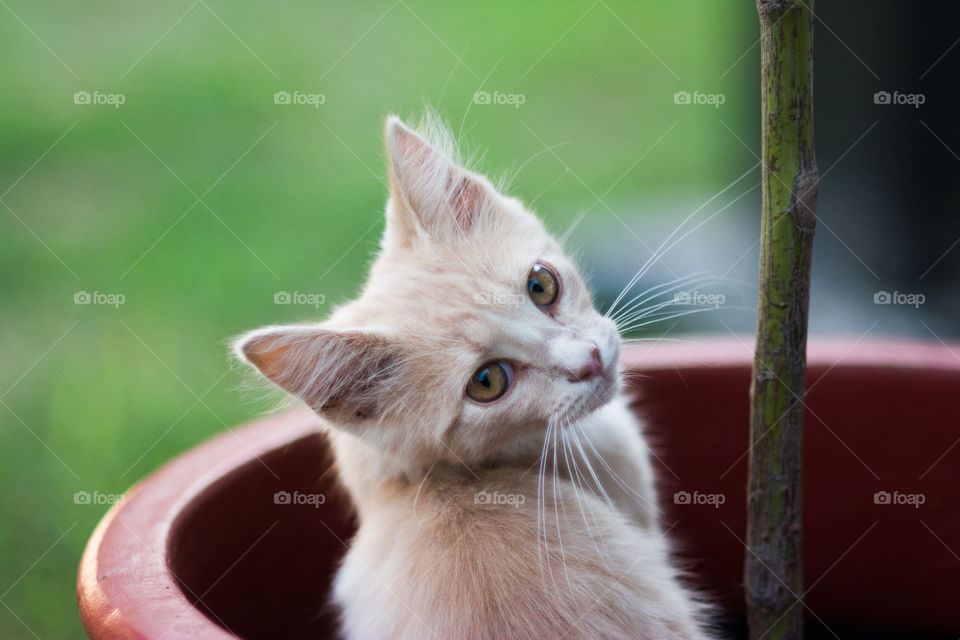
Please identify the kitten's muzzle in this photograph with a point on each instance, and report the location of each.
(592, 368)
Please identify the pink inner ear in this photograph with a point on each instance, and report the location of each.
(466, 200)
(445, 199)
(412, 152)
(347, 375)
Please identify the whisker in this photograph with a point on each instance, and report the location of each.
(647, 311)
(541, 507)
(586, 459)
(661, 251)
(663, 339)
(556, 512)
(584, 488)
(677, 315)
(633, 308)
(703, 222)
(680, 280)
(573, 468)
(420, 488)
(573, 225)
(509, 181)
(638, 498)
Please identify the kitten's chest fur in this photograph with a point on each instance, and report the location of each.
(510, 552)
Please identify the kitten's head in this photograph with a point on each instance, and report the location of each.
(473, 330)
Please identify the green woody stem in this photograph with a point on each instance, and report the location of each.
(773, 573)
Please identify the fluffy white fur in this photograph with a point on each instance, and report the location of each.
(529, 517)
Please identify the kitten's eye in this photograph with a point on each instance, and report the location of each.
(542, 285)
(489, 382)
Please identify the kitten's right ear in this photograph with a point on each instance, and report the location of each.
(429, 192)
(347, 376)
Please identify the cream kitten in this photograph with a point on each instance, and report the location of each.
(470, 393)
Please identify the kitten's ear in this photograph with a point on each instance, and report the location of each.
(347, 376)
(428, 191)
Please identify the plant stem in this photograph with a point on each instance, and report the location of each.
(773, 572)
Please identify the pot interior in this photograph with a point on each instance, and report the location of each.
(256, 553)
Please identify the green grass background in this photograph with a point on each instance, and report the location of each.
(96, 397)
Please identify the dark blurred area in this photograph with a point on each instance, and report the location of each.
(890, 203)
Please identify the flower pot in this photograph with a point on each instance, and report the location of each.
(241, 535)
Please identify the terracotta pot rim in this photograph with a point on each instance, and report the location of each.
(854, 351)
(144, 521)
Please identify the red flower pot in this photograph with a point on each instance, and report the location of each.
(226, 540)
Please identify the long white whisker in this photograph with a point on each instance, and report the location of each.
(509, 182)
(709, 218)
(556, 512)
(638, 498)
(573, 225)
(637, 340)
(420, 488)
(541, 507)
(675, 315)
(580, 489)
(681, 280)
(661, 251)
(586, 459)
(637, 306)
(638, 314)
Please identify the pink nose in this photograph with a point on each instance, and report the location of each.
(592, 368)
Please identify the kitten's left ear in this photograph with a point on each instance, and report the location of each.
(347, 376)
(428, 191)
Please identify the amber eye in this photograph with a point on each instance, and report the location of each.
(542, 285)
(489, 382)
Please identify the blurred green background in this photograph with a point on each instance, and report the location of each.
(104, 199)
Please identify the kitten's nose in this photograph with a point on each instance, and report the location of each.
(592, 368)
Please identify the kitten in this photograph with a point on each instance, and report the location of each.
(471, 397)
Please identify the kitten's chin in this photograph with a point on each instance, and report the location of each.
(601, 391)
